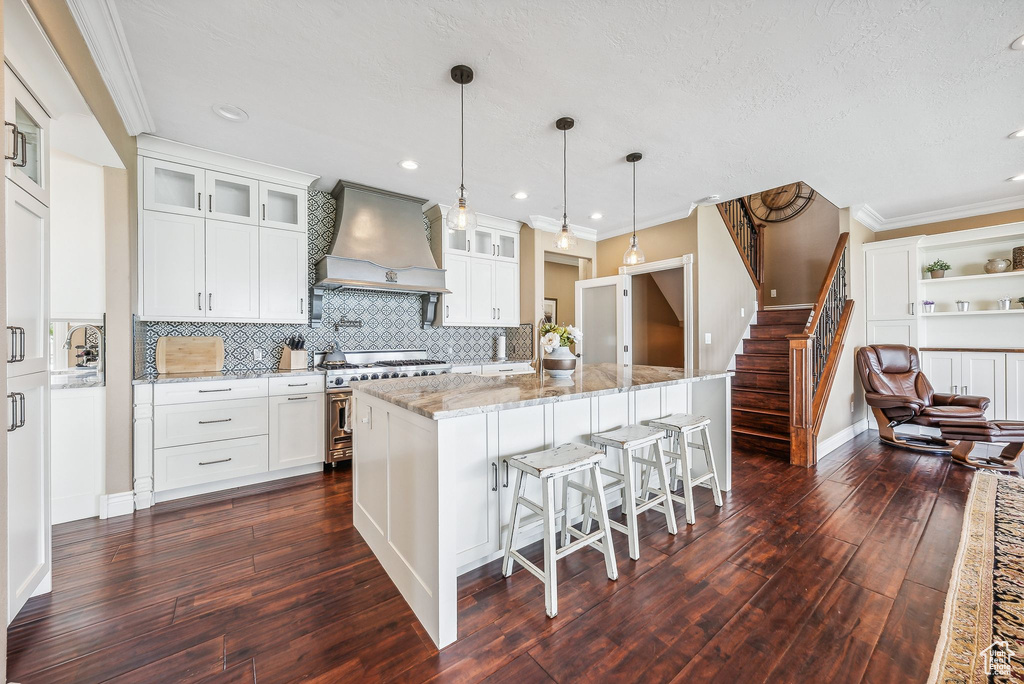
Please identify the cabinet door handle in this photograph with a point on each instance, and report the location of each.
(953, 390)
(209, 204)
(467, 244)
(302, 305)
(446, 313)
(297, 398)
(199, 201)
(219, 420)
(499, 313)
(17, 344)
(298, 384)
(225, 389)
(264, 217)
(911, 308)
(24, 151)
(209, 301)
(965, 390)
(505, 483)
(21, 343)
(15, 131)
(223, 460)
(200, 296)
(13, 424)
(495, 466)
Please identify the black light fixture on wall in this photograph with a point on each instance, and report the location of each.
(566, 239)
(634, 255)
(460, 216)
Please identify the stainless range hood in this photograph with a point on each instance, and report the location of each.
(379, 244)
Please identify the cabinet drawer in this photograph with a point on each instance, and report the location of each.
(508, 369)
(210, 390)
(464, 370)
(302, 384)
(208, 421)
(195, 464)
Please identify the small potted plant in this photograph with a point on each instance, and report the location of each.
(559, 362)
(1021, 302)
(961, 305)
(938, 268)
(928, 306)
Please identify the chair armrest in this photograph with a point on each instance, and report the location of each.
(960, 400)
(884, 401)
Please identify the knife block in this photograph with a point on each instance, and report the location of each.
(294, 359)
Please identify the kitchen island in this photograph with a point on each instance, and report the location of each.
(431, 484)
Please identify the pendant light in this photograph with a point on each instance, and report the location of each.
(460, 216)
(566, 239)
(634, 255)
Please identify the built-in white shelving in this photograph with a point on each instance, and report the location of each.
(976, 312)
(978, 276)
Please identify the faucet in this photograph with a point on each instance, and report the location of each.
(99, 336)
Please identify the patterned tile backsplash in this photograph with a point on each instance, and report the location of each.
(390, 321)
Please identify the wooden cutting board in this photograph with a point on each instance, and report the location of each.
(189, 354)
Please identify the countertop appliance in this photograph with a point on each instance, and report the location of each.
(344, 367)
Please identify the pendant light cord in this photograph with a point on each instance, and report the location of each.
(565, 183)
(634, 200)
(462, 140)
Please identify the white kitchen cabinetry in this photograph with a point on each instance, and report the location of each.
(976, 373)
(26, 139)
(481, 271)
(239, 228)
(28, 487)
(477, 485)
(27, 274)
(892, 276)
(77, 452)
(283, 275)
(231, 198)
(173, 266)
(296, 430)
(232, 270)
(1015, 386)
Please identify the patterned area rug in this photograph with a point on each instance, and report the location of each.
(982, 636)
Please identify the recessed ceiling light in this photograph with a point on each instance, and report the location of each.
(230, 112)
(1017, 134)
(1017, 44)
(596, 215)
(1018, 177)
(409, 165)
(520, 195)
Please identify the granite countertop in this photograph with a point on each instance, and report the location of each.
(450, 396)
(75, 378)
(158, 379)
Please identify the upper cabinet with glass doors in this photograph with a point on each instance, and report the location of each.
(26, 139)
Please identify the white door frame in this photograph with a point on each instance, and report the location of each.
(624, 332)
(684, 262)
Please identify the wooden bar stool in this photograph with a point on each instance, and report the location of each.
(679, 427)
(549, 465)
(630, 440)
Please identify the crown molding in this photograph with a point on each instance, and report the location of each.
(183, 153)
(550, 225)
(876, 222)
(101, 28)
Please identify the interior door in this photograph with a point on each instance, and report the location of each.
(506, 293)
(481, 291)
(601, 314)
(456, 279)
(284, 277)
(232, 270)
(173, 266)
(27, 270)
(26, 139)
(28, 487)
(231, 198)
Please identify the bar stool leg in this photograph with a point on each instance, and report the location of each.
(550, 548)
(597, 489)
(670, 515)
(588, 508)
(686, 466)
(629, 503)
(705, 438)
(565, 512)
(513, 526)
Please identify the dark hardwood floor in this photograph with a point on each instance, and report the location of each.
(835, 573)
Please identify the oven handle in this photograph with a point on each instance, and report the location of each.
(347, 427)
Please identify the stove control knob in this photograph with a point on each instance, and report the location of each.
(433, 372)
(405, 375)
(375, 376)
(339, 381)
(364, 376)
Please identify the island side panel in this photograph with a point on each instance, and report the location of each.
(713, 398)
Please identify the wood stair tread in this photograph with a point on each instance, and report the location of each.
(757, 433)
(770, 412)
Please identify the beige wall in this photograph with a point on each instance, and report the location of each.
(122, 235)
(532, 245)
(724, 288)
(846, 386)
(797, 252)
(996, 219)
(560, 283)
(666, 241)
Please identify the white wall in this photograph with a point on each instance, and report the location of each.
(77, 262)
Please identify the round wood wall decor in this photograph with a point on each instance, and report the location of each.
(782, 203)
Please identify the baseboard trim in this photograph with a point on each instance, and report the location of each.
(119, 503)
(830, 444)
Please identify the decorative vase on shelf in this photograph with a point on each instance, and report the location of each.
(997, 266)
(1004, 304)
(560, 363)
(962, 305)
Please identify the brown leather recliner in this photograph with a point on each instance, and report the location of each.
(899, 393)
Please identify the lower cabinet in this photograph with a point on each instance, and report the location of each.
(296, 430)
(1015, 386)
(977, 373)
(195, 464)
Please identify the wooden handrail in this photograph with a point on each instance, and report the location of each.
(826, 285)
(752, 269)
(829, 375)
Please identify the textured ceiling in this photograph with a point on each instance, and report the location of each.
(904, 105)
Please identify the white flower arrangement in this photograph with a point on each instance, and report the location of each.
(554, 336)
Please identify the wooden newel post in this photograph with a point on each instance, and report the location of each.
(803, 448)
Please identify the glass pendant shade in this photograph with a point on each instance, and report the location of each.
(460, 216)
(634, 255)
(566, 239)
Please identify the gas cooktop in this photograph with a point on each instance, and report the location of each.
(345, 367)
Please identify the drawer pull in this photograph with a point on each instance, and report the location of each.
(226, 389)
(297, 384)
(220, 420)
(297, 398)
(223, 460)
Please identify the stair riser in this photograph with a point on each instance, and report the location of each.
(756, 399)
(783, 317)
(748, 444)
(766, 347)
(774, 332)
(779, 364)
(754, 380)
(762, 422)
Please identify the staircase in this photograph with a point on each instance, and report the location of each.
(760, 390)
